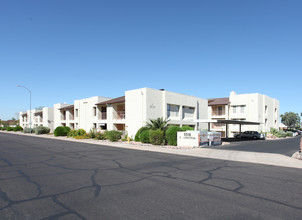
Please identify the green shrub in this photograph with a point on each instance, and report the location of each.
(281, 134)
(144, 136)
(289, 134)
(60, 131)
(138, 133)
(92, 133)
(85, 136)
(67, 128)
(157, 137)
(42, 130)
(186, 128)
(274, 131)
(9, 129)
(113, 135)
(171, 135)
(72, 133)
(28, 130)
(100, 136)
(3, 128)
(80, 132)
(18, 128)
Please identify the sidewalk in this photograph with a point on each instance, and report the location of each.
(239, 156)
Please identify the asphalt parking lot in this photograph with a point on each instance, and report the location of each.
(285, 147)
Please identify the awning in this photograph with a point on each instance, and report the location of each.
(113, 101)
(224, 121)
(67, 107)
(38, 112)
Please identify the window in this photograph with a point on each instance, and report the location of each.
(77, 112)
(172, 110)
(266, 109)
(239, 109)
(94, 111)
(220, 110)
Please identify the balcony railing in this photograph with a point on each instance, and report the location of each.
(63, 117)
(119, 115)
(39, 120)
(217, 126)
(217, 112)
(102, 115)
(71, 117)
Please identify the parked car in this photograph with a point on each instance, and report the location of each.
(250, 135)
(298, 132)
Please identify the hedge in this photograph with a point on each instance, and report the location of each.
(18, 128)
(139, 132)
(9, 129)
(61, 131)
(42, 130)
(171, 135)
(113, 135)
(157, 137)
(145, 137)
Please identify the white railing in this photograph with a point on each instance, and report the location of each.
(102, 115)
(119, 115)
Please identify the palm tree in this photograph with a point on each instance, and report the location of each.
(158, 123)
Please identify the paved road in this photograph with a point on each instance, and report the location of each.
(286, 146)
(52, 179)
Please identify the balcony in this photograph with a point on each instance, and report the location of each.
(218, 112)
(102, 115)
(119, 115)
(63, 117)
(71, 117)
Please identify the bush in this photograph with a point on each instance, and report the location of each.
(281, 134)
(18, 128)
(144, 136)
(9, 129)
(80, 132)
(42, 130)
(139, 132)
(157, 137)
(92, 133)
(113, 135)
(68, 129)
(100, 136)
(274, 131)
(60, 131)
(28, 130)
(3, 128)
(72, 133)
(171, 135)
(85, 136)
(289, 134)
(186, 128)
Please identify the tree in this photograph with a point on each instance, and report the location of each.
(158, 123)
(290, 119)
(39, 108)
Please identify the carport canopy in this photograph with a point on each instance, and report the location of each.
(226, 122)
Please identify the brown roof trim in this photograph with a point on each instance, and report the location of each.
(67, 107)
(38, 112)
(113, 101)
(24, 114)
(219, 101)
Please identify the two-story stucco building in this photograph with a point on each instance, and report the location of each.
(253, 107)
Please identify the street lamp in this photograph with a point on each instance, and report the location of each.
(29, 105)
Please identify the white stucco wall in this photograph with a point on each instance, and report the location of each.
(145, 103)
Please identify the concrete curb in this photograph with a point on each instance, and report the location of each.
(239, 156)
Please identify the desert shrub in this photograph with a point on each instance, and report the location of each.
(9, 129)
(100, 136)
(144, 136)
(281, 134)
(171, 135)
(92, 133)
(138, 133)
(72, 133)
(28, 130)
(42, 130)
(274, 132)
(157, 137)
(67, 128)
(186, 128)
(113, 135)
(289, 134)
(18, 128)
(85, 136)
(80, 132)
(60, 131)
(3, 128)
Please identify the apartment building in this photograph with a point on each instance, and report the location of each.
(145, 103)
(253, 107)
(42, 117)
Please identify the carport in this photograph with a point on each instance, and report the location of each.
(227, 122)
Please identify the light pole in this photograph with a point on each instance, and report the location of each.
(29, 105)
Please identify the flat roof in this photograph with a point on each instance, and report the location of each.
(113, 101)
(224, 121)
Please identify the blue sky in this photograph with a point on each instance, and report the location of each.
(69, 49)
